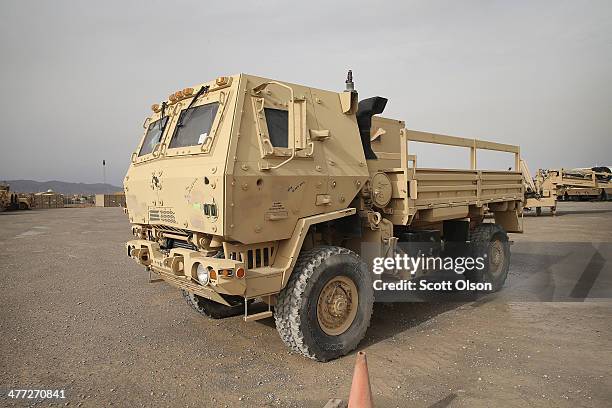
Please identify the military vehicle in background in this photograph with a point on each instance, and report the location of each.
(593, 183)
(5, 196)
(247, 188)
(540, 192)
(14, 201)
(548, 186)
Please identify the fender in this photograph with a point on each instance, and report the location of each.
(289, 250)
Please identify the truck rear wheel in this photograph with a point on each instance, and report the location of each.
(210, 308)
(490, 241)
(325, 309)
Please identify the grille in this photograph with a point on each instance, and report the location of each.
(162, 215)
(175, 243)
(174, 230)
(254, 258)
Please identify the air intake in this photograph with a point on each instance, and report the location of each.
(368, 108)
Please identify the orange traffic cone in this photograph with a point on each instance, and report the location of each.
(361, 393)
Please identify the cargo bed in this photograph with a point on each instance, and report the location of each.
(431, 195)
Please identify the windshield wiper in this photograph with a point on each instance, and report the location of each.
(202, 91)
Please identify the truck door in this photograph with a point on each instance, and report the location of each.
(280, 175)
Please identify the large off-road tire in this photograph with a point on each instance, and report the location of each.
(325, 309)
(211, 308)
(490, 241)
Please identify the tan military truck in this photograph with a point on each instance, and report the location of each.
(593, 183)
(540, 191)
(5, 196)
(247, 188)
(548, 186)
(14, 201)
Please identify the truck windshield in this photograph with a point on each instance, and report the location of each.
(153, 136)
(195, 124)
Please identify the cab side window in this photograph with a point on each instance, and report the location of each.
(278, 126)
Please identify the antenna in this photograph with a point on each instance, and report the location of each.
(350, 86)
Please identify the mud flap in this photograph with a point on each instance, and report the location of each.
(509, 220)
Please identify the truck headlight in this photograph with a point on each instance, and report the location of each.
(202, 273)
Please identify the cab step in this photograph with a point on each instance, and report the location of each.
(258, 316)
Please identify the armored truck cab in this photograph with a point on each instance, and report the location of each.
(245, 188)
(226, 165)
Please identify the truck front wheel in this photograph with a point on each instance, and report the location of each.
(490, 242)
(325, 309)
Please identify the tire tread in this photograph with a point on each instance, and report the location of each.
(287, 311)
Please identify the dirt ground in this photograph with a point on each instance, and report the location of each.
(77, 314)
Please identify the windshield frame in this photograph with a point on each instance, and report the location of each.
(151, 126)
(152, 120)
(185, 118)
(222, 98)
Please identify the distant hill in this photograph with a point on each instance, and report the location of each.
(31, 186)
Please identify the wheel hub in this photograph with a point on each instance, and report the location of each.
(337, 305)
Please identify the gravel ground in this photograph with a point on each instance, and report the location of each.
(77, 314)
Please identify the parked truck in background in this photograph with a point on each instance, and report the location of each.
(247, 188)
(540, 191)
(593, 183)
(14, 201)
(5, 196)
(550, 185)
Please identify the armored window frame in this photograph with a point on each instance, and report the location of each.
(269, 103)
(139, 155)
(185, 118)
(221, 97)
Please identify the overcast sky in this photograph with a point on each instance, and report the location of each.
(78, 78)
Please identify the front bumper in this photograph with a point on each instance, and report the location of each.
(178, 267)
